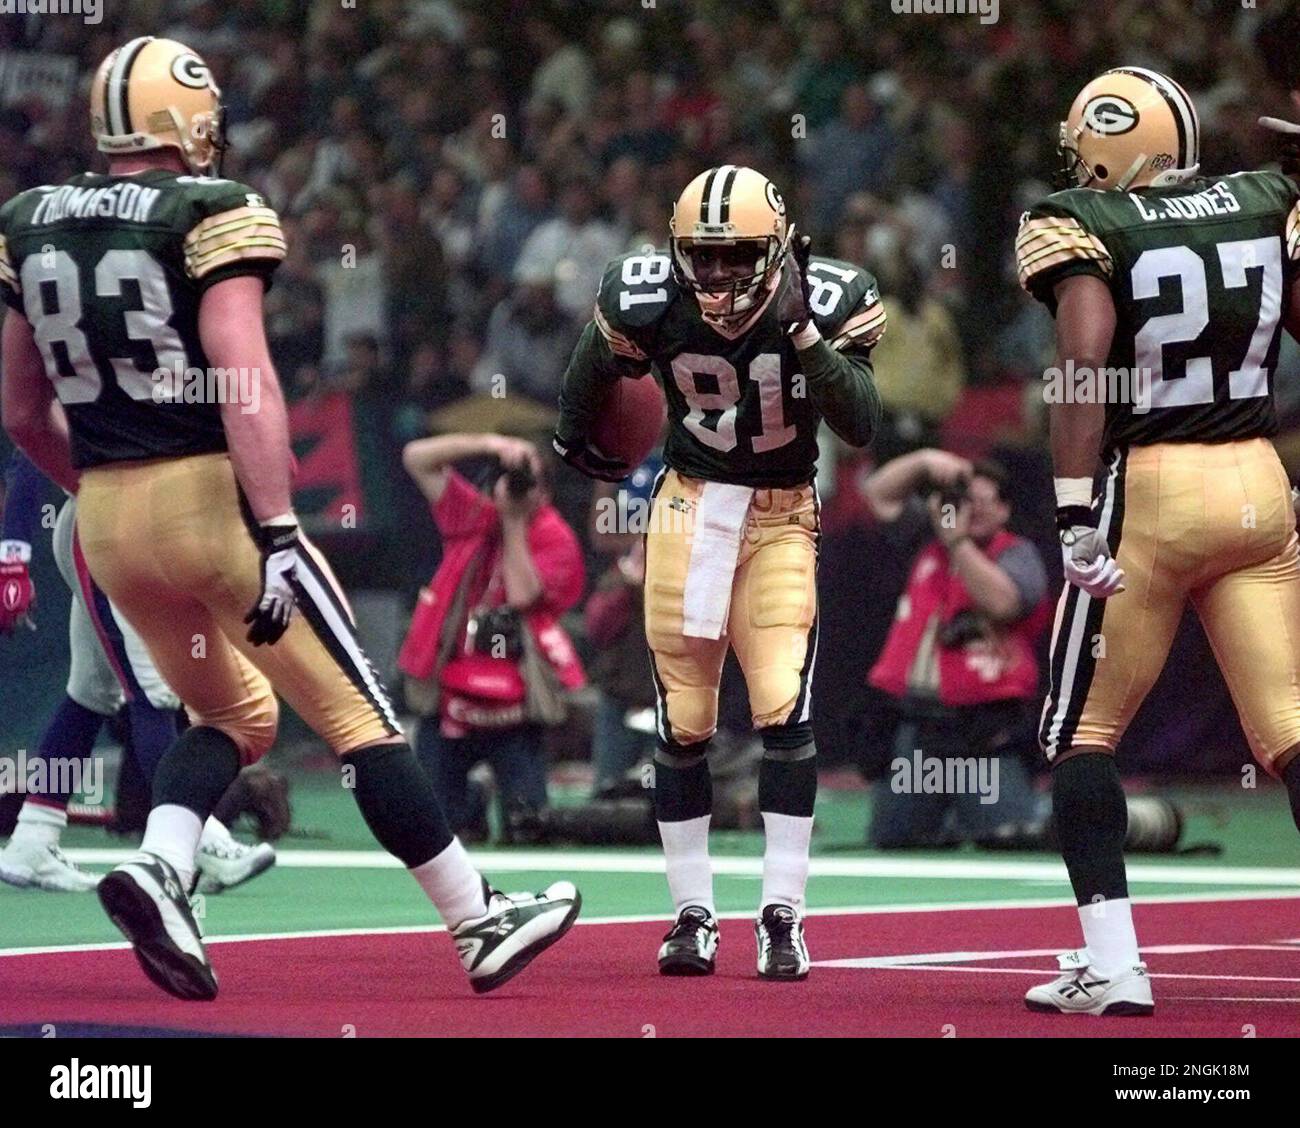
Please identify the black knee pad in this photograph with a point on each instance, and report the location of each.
(195, 771)
(683, 785)
(779, 741)
(787, 777)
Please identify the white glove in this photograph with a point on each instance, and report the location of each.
(271, 613)
(1089, 565)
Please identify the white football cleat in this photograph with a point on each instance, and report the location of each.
(1084, 989)
(223, 865)
(37, 865)
(144, 898)
(515, 930)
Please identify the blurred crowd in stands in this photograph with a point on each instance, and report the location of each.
(454, 174)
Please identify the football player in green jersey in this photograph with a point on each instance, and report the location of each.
(137, 375)
(754, 342)
(1170, 292)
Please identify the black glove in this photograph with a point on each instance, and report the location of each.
(587, 459)
(793, 304)
(270, 615)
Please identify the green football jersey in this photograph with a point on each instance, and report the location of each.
(109, 271)
(738, 409)
(1199, 273)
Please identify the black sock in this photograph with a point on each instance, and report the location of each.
(683, 785)
(398, 802)
(195, 771)
(1291, 777)
(1091, 818)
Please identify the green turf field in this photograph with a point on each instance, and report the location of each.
(331, 875)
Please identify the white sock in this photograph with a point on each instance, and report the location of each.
(172, 833)
(686, 852)
(451, 882)
(39, 824)
(214, 833)
(1108, 934)
(785, 859)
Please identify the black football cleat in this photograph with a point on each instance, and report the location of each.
(782, 953)
(691, 946)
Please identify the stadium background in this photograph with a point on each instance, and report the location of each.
(417, 153)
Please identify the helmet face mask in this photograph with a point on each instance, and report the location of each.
(733, 294)
(739, 215)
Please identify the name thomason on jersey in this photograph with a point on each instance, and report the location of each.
(131, 202)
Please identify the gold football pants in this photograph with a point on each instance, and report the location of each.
(772, 623)
(1207, 522)
(168, 542)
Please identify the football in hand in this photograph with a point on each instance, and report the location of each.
(630, 420)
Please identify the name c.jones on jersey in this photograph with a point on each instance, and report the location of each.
(179, 384)
(1081, 384)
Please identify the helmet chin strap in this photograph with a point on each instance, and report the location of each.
(1124, 181)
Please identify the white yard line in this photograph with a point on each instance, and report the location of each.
(939, 869)
(849, 910)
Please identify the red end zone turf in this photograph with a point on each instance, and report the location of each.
(1222, 969)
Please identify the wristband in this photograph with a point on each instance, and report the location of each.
(1068, 516)
(808, 336)
(1073, 491)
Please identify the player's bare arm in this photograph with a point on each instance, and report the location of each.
(1085, 327)
(32, 415)
(230, 327)
(232, 333)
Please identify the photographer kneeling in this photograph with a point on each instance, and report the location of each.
(486, 659)
(959, 658)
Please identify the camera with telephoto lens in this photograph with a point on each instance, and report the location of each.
(519, 480)
(953, 493)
